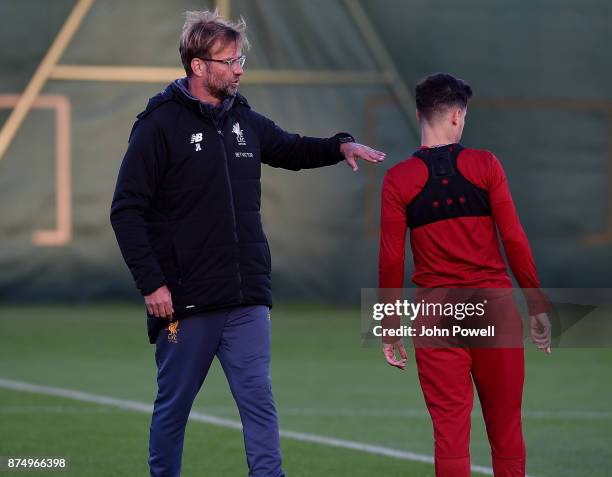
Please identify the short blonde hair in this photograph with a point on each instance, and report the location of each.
(203, 29)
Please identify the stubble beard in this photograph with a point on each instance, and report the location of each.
(220, 89)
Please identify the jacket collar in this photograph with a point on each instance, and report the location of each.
(178, 91)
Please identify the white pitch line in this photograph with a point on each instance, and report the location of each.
(227, 423)
(586, 415)
(420, 413)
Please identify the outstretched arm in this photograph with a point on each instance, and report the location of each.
(294, 152)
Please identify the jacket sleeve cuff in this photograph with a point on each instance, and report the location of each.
(150, 285)
(337, 141)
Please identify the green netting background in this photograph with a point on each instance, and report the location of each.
(322, 224)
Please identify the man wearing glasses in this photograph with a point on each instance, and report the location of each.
(186, 213)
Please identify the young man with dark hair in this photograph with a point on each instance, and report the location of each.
(454, 200)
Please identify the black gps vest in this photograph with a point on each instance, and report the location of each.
(446, 194)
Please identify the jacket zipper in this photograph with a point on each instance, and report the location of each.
(229, 183)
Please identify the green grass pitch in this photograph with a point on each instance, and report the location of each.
(325, 384)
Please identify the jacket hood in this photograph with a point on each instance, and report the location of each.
(178, 91)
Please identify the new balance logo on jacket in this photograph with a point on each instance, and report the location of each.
(197, 139)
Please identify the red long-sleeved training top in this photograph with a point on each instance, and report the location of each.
(460, 251)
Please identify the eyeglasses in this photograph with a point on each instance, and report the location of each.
(230, 63)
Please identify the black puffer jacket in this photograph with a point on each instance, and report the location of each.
(186, 208)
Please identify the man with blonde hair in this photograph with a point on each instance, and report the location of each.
(186, 213)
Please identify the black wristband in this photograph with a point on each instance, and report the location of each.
(343, 138)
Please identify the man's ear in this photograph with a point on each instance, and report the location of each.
(418, 115)
(455, 116)
(198, 67)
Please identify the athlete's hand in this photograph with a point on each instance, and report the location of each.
(159, 303)
(541, 331)
(389, 350)
(353, 151)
